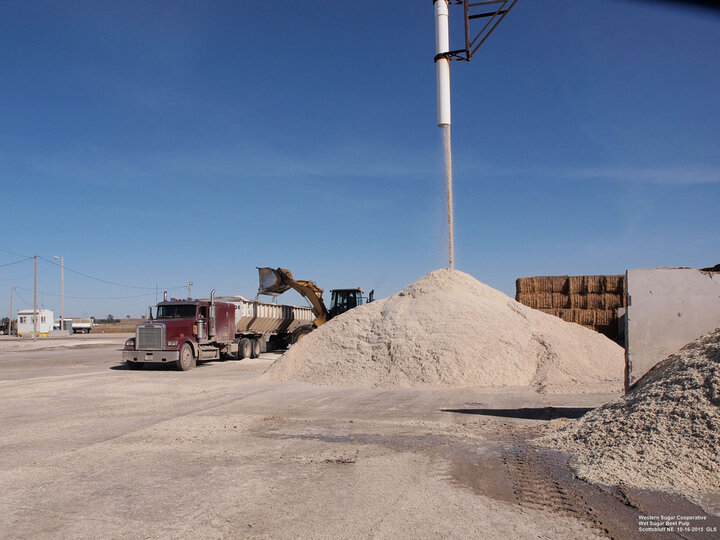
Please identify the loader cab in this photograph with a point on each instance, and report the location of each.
(344, 299)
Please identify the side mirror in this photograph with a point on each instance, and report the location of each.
(150, 312)
(371, 296)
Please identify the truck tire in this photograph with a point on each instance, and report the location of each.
(244, 349)
(255, 348)
(187, 358)
(300, 333)
(135, 365)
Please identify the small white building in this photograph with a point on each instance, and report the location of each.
(26, 322)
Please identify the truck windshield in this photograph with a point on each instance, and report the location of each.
(176, 311)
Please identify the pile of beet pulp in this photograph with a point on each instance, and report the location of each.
(664, 434)
(449, 329)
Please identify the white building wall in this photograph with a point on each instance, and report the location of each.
(667, 308)
(25, 322)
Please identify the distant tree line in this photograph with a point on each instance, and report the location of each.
(107, 320)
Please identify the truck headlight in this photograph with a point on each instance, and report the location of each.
(130, 343)
(173, 343)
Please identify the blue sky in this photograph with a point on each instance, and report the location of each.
(162, 142)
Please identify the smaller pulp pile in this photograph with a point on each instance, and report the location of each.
(664, 434)
(449, 329)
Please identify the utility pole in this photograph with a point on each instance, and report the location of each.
(190, 284)
(35, 313)
(12, 288)
(62, 291)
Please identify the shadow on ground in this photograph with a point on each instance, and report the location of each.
(529, 413)
(156, 366)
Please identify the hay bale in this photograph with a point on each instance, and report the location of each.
(529, 299)
(525, 285)
(544, 300)
(543, 284)
(564, 314)
(594, 284)
(612, 301)
(560, 300)
(578, 301)
(584, 317)
(614, 284)
(576, 285)
(560, 284)
(595, 301)
(605, 317)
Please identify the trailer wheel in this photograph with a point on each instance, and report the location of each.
(244, 349)
(135, 365)
(187, 358)
(255, 348)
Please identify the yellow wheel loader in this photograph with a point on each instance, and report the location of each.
(275, 281)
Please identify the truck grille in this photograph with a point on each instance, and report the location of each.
(150, 337)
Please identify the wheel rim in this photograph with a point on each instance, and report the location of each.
(186, 356)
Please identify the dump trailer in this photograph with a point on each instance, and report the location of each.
(186, 331)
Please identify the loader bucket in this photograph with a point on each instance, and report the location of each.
(271, 282)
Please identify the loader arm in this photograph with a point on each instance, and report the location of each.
(274, 281)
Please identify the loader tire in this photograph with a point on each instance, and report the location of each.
(300, 333)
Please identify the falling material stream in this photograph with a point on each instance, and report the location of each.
(448, 181)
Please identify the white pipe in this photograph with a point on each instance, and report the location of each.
(442, 45)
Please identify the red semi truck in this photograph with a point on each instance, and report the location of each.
(185, 331)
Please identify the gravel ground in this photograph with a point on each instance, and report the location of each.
(91, 449)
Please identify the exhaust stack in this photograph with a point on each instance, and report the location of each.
(212, 316)
(442, 64)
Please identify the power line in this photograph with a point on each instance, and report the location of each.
(21, 298)
(105, 280)
(16, 262)
(99, 297)
(16, 254)
(26, 258)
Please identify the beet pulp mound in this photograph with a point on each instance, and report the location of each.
(664, 434)
(449, 329)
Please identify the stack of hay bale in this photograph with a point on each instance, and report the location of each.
(590, 301)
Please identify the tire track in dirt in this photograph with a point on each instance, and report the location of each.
(535, 486)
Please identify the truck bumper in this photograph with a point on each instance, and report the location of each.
(150, 356)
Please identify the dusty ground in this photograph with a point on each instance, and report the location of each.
(90, 449)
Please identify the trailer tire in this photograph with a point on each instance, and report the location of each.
(244, 349)
(255, 348)
(135, 365)
(186, 360)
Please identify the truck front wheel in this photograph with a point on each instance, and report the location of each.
(187, 358)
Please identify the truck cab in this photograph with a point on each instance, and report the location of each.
(179, 331)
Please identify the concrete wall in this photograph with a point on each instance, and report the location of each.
(667, 308)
